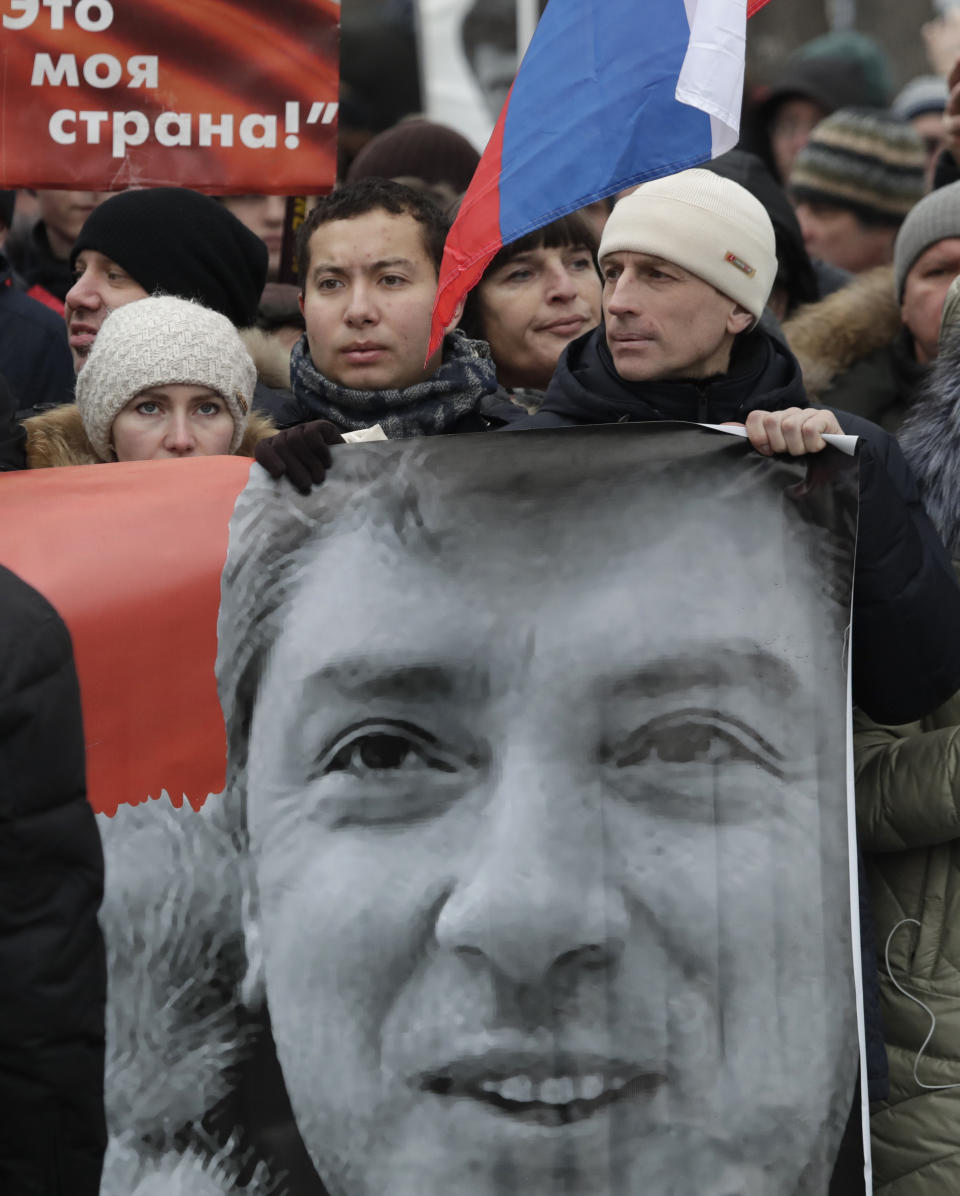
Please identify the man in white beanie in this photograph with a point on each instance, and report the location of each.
(688, 262)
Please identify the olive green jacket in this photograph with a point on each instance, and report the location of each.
(908, 817)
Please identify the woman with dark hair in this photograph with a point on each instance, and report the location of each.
(537, 295)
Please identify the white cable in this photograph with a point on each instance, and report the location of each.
(916, 1000)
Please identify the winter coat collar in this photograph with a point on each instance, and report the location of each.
(57, 437)
(270, 356)
(586, 388)
(831, 336)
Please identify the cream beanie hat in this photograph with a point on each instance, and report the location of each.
(159, 342)
(704, 223)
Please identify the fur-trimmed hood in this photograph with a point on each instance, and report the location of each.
(831, 336)
(177, 1029)
(270, 356)
(57, 437)
(930, 440)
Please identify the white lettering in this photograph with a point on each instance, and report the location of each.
(64, 71)
(258, 131)
(57, 126)
(92, 71)
(57, 9)
(143, 70)
(94, 122)
(208, 130)
(167, 134)
(30, 10)
(129, 128)
(87, 21)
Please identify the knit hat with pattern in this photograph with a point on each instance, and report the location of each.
(864, 160)
(703, 223)
(935, 218)
(161, 342)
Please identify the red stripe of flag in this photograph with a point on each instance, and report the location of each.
(482, 200)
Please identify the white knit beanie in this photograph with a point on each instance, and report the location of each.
(162, 341)
(703, 223)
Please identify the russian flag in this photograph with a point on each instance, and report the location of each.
(610, 93)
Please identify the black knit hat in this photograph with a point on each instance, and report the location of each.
(182, 243)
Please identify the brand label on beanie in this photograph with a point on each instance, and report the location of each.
(740, 264)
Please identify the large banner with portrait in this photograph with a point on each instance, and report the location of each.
(533, 867)
(220, 96)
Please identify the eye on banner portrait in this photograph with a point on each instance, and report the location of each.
(532, 867)
(218, 95)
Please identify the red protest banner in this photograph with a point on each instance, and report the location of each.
(130, 554)
(221, 96)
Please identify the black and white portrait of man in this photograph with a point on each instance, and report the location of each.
(540, 743)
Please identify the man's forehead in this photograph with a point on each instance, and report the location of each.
(633, 257)
(93, 257)
(369, 236)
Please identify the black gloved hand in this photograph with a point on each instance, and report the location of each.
(301, 453)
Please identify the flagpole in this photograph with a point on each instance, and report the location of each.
(528, 14)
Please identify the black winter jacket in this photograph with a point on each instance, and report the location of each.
(906, 653)
(34, 353)
(13, 439)
(52, 968)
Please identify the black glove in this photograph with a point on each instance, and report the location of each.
(301, 453)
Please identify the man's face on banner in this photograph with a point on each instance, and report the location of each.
(540, 845)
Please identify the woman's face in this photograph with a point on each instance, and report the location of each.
(177, 420)
(535, 304)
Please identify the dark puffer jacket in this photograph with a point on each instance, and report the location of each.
(52, 969)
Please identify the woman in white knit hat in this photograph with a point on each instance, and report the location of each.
(166, 378)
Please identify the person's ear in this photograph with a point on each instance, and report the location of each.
(300, 302)
(739, 320)
(456, 318)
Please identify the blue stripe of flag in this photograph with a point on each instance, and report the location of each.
(593, 109)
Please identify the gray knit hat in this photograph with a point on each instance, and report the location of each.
(162, 341)
(864, 160)
(936, 217)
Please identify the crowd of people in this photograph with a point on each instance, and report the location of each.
(805, 284)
